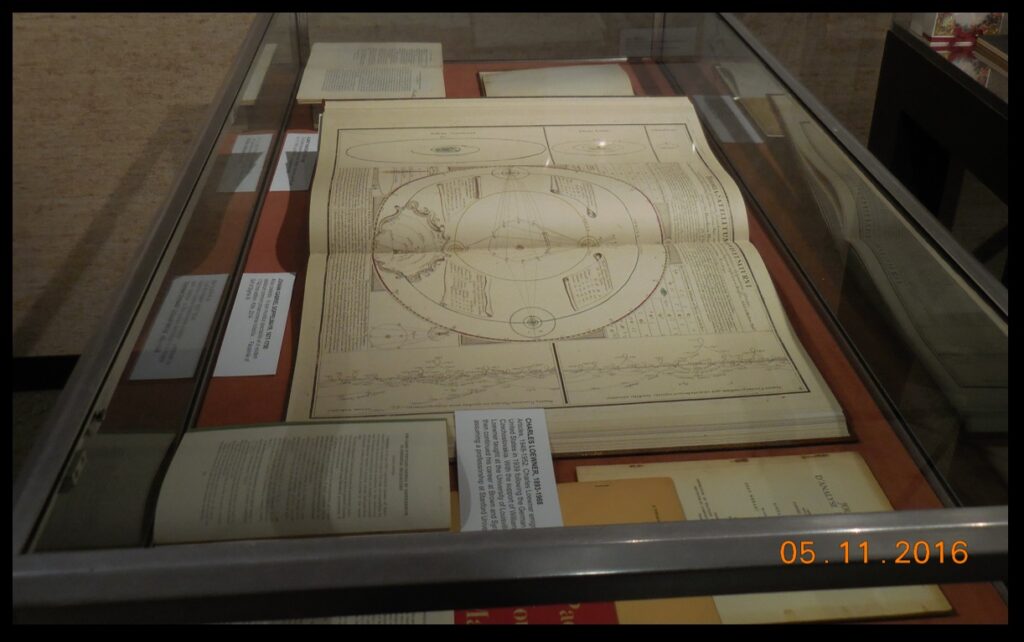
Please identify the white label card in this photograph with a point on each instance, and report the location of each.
(252, 343)
(294, 170)
(244, 164)
(506, 478)
(179, 331)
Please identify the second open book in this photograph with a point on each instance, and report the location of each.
(588, 256)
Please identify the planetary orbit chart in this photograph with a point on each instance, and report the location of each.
(519, 253)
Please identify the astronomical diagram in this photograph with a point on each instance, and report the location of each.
(449, 150)
(519, 253)
(397, 335)
(600, 148)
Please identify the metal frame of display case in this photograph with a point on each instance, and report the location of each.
(245, 580)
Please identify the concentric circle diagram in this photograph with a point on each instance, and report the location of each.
(519, 253)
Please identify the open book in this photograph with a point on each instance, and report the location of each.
(588, 256)
(304, 480)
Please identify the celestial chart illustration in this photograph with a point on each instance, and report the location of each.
(396, 335)
(519, 253)
(691, 367)
(437, 383)
(452, 150)
(600, 148)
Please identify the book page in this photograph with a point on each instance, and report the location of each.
(776, 486)
(581, 253)
(635, 501)
(346, 70)
(623, 501)
(305, 479)
(570, 80)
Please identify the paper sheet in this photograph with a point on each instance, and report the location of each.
(506, 477)
(347, 70)
(252, 342)
(570, 80)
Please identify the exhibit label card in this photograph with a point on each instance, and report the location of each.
(179, 332)
(506, 479)
(294, 170)
(252, 343)
(243, 167)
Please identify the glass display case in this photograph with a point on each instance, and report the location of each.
(904, 328)
(951, 154)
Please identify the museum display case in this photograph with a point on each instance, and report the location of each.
(947, 151)
(643, 229)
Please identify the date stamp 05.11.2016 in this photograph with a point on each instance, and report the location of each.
(904, 552)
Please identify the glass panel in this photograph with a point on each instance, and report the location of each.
(105, 497)
(981, 223)
(938, 352)
(911, 354)
(496, 36)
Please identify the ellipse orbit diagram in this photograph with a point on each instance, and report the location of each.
(519, 253)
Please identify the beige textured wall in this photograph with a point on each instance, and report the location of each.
(105, 107)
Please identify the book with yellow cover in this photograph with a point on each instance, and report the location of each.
(636, 501)
(624, 501)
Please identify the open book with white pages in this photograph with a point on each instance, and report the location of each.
(588, 256)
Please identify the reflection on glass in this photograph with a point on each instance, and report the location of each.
(960, 344)
(106, 494)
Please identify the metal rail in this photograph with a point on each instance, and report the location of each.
(427, 571)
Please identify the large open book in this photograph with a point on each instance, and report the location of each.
(588, 256)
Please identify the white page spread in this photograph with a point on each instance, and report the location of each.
(588, 256)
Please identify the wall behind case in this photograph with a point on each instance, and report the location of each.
(105, 110)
